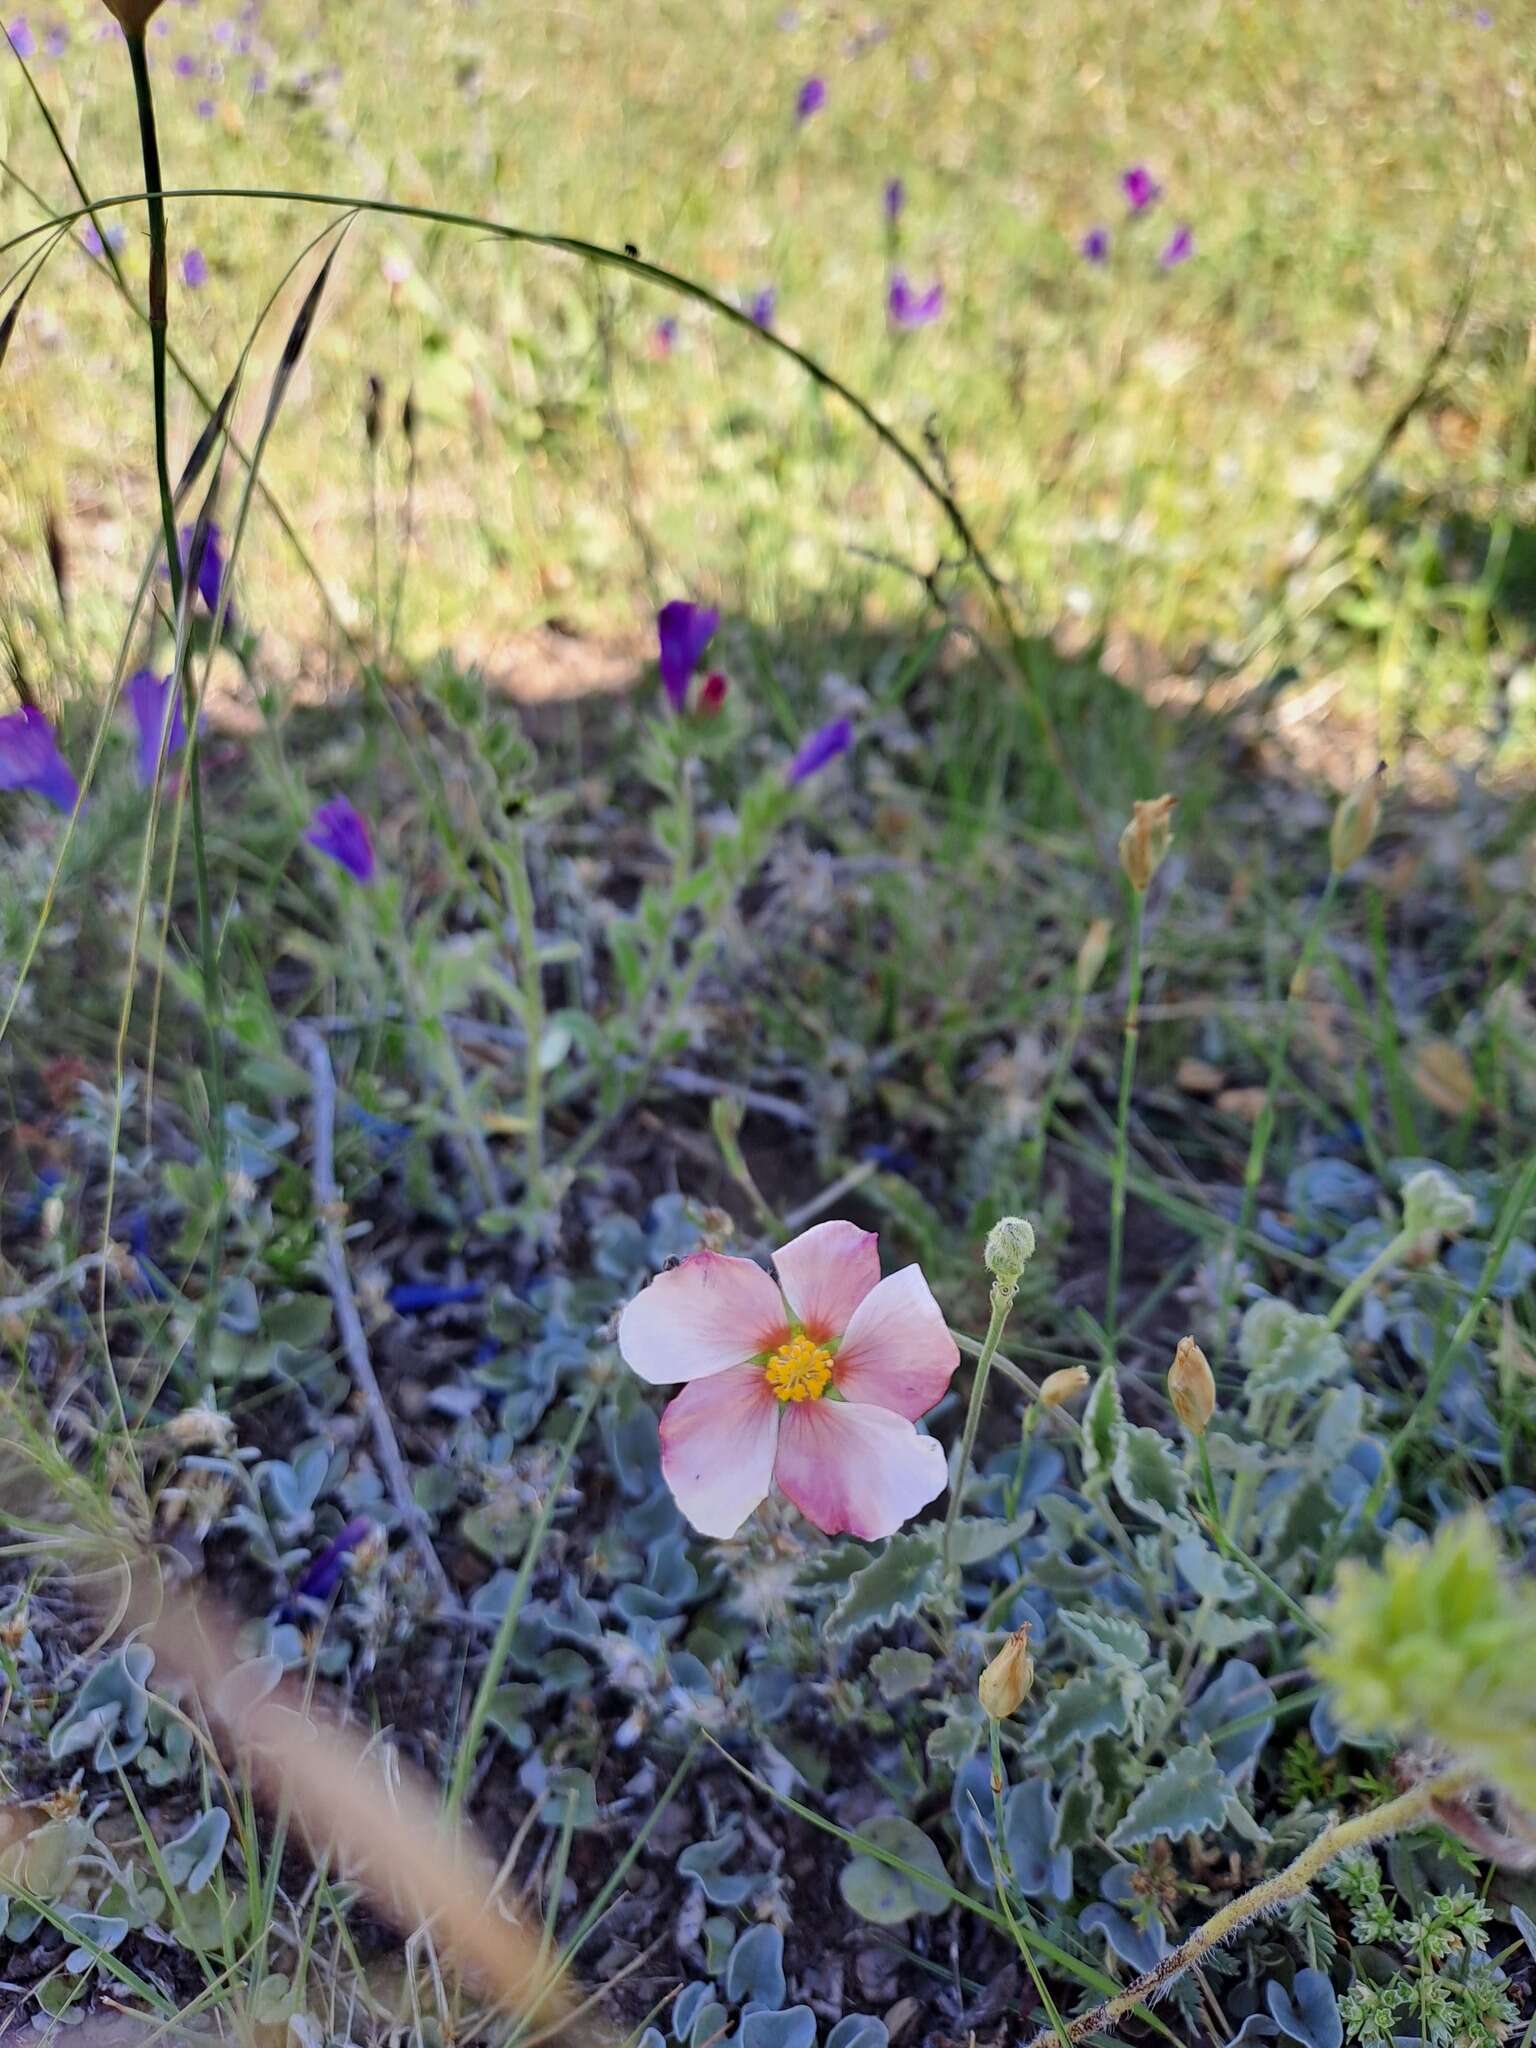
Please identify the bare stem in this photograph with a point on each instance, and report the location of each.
(1002, 1302)
(1123, 1124)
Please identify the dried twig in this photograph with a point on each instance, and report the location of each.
(328, 1210)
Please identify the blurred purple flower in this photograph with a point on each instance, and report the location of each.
(207, 570)
(683, 631)
(339, 831)
(908, 308)
(761, 306)
(823, 746)
(22, 39)
(894, 200)
(1179, 247)
(1141, 189)
(56, 42)
(206, 109)
(663, 338)
(322, 1575)
(810, 99)
(1095, 245)
(187, 67)
(156, 706)
(92, 243)
(194, 269)
(30, 759)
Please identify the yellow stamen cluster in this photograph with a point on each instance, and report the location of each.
(800, 1370)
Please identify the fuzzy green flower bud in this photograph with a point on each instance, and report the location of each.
(1192, 1387)
(1146, 839)
(1010, 1247)
(1356, 820)
(1432, 1202)
(1005, 1684)
(1439, 1641)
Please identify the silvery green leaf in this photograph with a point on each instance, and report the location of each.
(1209, 1575)
(101, 1932)
(1087, 1705)
(1188, 1796)
(1211, 1629)
(976, 1539)
(1150, 1479)
(1075, 1816)
(1257, 2027)
(1106, 1637)
(1103, 1424)
(687, 2006)
(900, 1581)
(705, 1863)
(193, 1856)
(709, 2026)
(755, 1972)
(109, 1713)
(1308, 2012)
(959, 1731)
(1041, 1868)
(877, 1891)
(1265, 1331)
(1237, 1693)
(898, 1672)
(795, 2028)
(858, 2030)
(835, 1565)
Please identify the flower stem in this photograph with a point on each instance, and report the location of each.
(1297, 1877)
(520, 889)
(1383, 1262)
(1123, 1123)
(213, 1003)
(1002, 1302)
(1002, 1872)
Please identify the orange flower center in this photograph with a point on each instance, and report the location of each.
(800, 1370)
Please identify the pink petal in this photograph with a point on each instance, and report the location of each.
(701, 1316)
(826, 1272)
(896, 1351)
(853, 1469)
(717, 1444)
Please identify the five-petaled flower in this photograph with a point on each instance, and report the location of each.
(30, 759)
(907, 307)
(157, 712)
(339, 830)
(1141, 189)
(683, 631)
(813, 1390)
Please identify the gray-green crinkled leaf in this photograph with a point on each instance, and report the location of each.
(1112, 1639)
(191, 1859)
(795, 2028)
(899, 1672)
(878, 1892)
(978, 1538)
(1150, 1479)
(958, 1734)
(835, 1566)
(1188, 1796)
(1088, 1705)
(899, 1582)
(1209, 1575)
(1103, 1425)
(1282, 1348)
(1075, 1815)
(705, 1863)
(103, 1935)
(756, 1969)
(110, 1712)
(1211, 1629)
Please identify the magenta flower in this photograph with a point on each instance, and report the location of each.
(339, 831)
(683, 631)
(908, 308)
(194, 269)
(1095, 246)
(761, 307)
(823, 746)
(1141, 189)
(157, 712)
(30, 759)
(894, 200)
(813, 1390)
(810, 99)
(1179, 247)
(713, 695)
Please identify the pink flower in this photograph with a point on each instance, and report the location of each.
(813, 1390)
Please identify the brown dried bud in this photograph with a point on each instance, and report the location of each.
(1192, 1387)
(1057, 1388)
(1146, 840)
(133, 14)
(1356, 819)
(1005, 1684)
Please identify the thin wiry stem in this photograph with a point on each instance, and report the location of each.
(1123, 1122)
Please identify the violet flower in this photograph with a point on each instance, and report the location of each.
(894, 200)
(1094, 246)
(1141, 189)
(663, 338)
(90, 236)
(760, 306)
(30, 759)
(157, 712)
(823, 746)
(683, 631)
(23, 42)
(194, 269)
(322, 1575)
(339, 831)
(56, 42)
(810, 99)
(206, 569)
(1179, 247)
(908, 308)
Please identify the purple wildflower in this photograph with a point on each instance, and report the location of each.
(908, 308)
(56, 42)
(663, 338)
(194, 270)
(683, 631)
(157, 712)
(823, 746)
(186, 66)
(90, 238)
(894, 200)
(1141, 189)
(339, 831)
(30, 759)
(1179, 247)
(1095, 246)
(23, 42)
(811, 98)
(206, 109)
(322, 1575)
(207, 569)
(760, 307)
